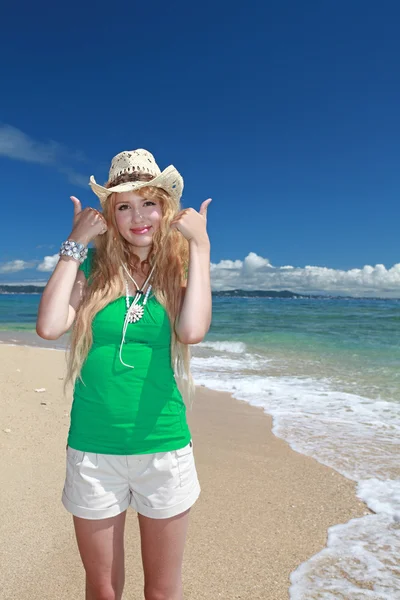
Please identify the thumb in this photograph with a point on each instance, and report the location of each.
(204, 206)
(77, 205)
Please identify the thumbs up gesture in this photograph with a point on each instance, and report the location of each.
(192, 224)
(87, 223)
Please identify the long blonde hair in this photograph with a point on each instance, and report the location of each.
(170, 255)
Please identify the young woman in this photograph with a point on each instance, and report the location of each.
(135, 302)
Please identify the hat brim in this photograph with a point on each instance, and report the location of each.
(169, 180)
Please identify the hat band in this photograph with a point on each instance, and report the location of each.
(129, 177)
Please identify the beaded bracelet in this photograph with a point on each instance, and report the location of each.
(74, 249)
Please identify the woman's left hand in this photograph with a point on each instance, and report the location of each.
(192, 224)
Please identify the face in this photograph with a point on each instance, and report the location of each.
(137, 219)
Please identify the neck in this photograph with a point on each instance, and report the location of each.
(141, 252)
(131, 278)
(141, 268)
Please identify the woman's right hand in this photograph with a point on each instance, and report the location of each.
(87, 224)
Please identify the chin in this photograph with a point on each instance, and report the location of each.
(139, 241)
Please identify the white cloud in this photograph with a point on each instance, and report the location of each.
(227, 264)
(17, 145)
(257, 273)
(48, 263)
(13, 266)
(253, 263)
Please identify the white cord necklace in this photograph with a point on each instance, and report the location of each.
(135, 311)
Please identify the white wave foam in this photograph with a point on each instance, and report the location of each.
(381, 496)
(229, 364)
(357, 563)
(233, 347)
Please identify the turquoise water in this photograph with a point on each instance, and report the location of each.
(353, 342)
(18, 311)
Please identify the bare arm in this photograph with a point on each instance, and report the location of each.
(61, 299)
(66, 287)
(195, 315)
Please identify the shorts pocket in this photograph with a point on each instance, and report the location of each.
(74, 458)
(185, 463)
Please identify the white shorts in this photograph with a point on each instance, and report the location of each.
(158, 485)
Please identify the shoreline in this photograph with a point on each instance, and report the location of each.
(264, 508)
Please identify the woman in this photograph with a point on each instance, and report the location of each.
(135, 301)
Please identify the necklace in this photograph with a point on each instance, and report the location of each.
(135, 311)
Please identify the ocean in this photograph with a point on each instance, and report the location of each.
(327, 370)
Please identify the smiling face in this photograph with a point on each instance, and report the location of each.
(137, 220)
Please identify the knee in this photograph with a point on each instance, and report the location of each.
(104, 592)
(152, 593)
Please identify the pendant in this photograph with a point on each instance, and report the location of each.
(135, 313)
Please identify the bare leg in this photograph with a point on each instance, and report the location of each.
(163, 543)
(101, 546)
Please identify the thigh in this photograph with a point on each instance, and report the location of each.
(163, 544)
(101, 546)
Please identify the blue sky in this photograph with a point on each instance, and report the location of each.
(286, 114)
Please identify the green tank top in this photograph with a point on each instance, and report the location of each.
(120, 410)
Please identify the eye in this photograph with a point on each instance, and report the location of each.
(125, 206)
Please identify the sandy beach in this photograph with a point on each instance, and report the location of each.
(264, 509)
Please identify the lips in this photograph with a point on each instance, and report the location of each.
(141, 230)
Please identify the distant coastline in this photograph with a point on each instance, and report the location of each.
(21, 289)
(8, 289)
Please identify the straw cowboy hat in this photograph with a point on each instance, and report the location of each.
(131, 162)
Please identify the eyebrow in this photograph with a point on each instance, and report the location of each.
(128, 202)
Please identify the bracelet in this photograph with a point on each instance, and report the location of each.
(74, 249)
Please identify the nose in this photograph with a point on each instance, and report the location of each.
(136, 215)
